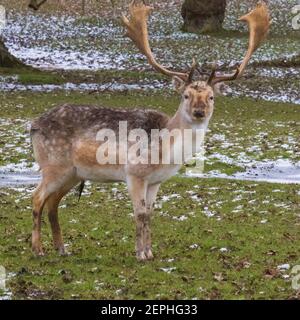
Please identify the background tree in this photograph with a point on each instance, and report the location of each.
(35, 4)
(203, 15)
(7, 60)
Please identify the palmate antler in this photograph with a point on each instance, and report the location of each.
(137, 31)
(258, 21)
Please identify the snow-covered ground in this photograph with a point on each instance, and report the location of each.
(70, 43)
(285, 94)
(281, 164)
(278, 171)
(82, 87)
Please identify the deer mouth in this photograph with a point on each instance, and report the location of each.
(198, 115)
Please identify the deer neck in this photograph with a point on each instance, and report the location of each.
(182, 127)
(181, 121)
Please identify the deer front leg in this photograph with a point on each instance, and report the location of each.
(150, 199)
(137, 188)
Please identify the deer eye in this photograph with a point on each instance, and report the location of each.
(186, 96)
(211, 98)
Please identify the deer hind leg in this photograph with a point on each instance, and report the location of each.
(54, 178)
(38, 202)
(150, 199)
(137, 190)
(52, 206)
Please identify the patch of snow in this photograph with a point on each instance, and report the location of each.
(168, 270)
(169, 197)
(82, 87)
(285, 266)
(208, 213)
(180, 218)
(278, 171)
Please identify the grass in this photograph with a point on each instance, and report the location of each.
(273, 128)
(99, 232)
(33, 76)
(216, 239)
(257, 223)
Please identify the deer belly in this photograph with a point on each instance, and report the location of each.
(163, 173)
(88, 167)
(101, 173)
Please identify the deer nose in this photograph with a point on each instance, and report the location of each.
(199, 114)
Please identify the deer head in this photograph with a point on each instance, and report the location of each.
(197, 96)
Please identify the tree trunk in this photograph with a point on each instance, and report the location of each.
(7, 60)
(83, 7)
(203, 15)
(35, 5)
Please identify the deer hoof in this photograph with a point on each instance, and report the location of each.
(38, 251)
(61, 251)
(141, 256)
(149, 254)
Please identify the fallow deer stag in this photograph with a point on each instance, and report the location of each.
(65, 144)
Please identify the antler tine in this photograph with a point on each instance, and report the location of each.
(192, 71)
(214, 79)
(212, 75)
(144, 2)
(259, 24)
(137, 31)
(202, 72)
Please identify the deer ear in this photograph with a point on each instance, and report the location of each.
(178, 84)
